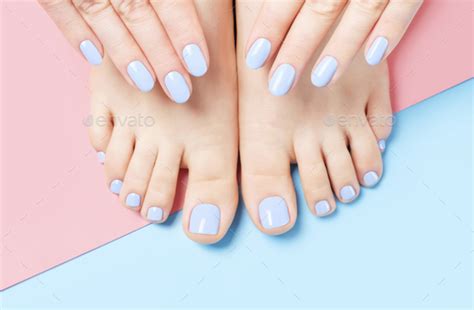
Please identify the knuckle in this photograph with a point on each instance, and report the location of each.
(134, 11)
(370, 6)
(326, 8)
(92, 7)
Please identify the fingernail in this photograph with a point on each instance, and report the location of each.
(91, 52)
(205, 219)
(324, 71)
(258, 53)
(376, 51)
(177, 87)
(371, 178)
(194, 59)
(322, 208)
(273, 212)
(140, 76)
(101, 157)
(116, 186)
(381, 144)
(133, 200)
(348, 193)
(154, 214)
(282, 80)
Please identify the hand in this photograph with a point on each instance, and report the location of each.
(146, 40)
(292, 30)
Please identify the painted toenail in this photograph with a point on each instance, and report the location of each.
(377, 50)
(90, 52)
(371, 178)
(154, 214)
(273, 212)
(133, 200)
(205, 219)
(116, 186)
(348, 193)
(282, 80)
(324, 71)
(101, 157)
(258, 53)
(382, 145)
(177, 87)
(322, 208)
(194, 60)
(140, 76)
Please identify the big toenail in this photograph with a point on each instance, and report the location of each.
(205, 219)
(101, 157)
(140, 76)
(177, 87)
(322, 208)
(282, 80)
(324, 71)
(273, 212)
(116, 186)
(133, 200)
(348, 193)
(154, 214)
(371, 178)
(258, 53)
(382, 145)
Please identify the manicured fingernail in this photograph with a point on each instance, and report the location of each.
(177, 87)
(324, 71)
(258, 53)
(322, 208)
(133, 200)
(140, 76)
(116, 186)
(371, 178)
(194, 59)
(382, 145)
(90, 52)
(282, 80)
(273, 212)
(154, 214)
(205, 219)
(376, 51)
(348, 193)
(101, 157)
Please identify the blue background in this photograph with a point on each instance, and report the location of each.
(406, 243)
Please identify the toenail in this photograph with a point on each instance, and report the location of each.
(90, 52)
(133, 200)
(273, 212)
(101, 157)
(154, 214)
(116, 186)
(194, 60)
(382, 145)
(322, 208)
(177, 87)
(348, 193)
(371, 178)
(258, 53)
(377, 50)
(140, 76)
(205, 219)
(282, 80)
(324, 71)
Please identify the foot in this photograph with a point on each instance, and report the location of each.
(145, 138)
(335, 135)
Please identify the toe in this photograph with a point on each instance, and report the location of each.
(100, 127)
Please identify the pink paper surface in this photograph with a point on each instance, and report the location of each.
(54, 201)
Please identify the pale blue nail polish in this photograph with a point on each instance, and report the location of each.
(324, 71)
(90, 52)
(382, 145)
(101, 157)
(282, 80)
(376, 51)
(258, 53)
(177, 87)
(322, 208)
(348, 193)
(116, 186)
(205, 219)
(154, 214)
(194, 59)
(273, 212)
(140, 76)
(133, 200)
(371, 178)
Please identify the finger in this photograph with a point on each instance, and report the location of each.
(186, 35)
(122, 48)
(353, 29)
(390, 28)
(76, 30)
(143, 23)
(272, 24)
